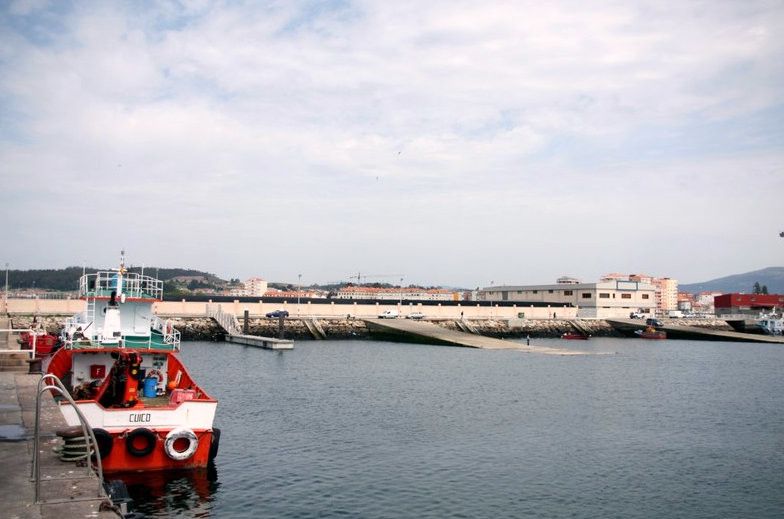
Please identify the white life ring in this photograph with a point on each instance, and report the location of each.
(155, 373)
(176, 434)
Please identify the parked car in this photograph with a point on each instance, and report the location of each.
(388, 314)
(653, 322)
(278, 313)
(415, 315)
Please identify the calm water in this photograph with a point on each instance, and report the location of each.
(384, 430)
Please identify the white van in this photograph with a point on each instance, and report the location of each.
(388, 314)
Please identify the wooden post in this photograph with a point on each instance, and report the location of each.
(280, 327)
(245, 322)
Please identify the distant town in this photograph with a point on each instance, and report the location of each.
(613, 295)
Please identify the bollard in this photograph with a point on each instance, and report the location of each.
(34, 366)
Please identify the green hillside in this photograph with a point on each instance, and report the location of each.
(67, 279)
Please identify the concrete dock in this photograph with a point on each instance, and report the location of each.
(268, 343)
(695, 333)
(67, 490)
(407, 330)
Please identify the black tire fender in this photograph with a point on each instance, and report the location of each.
(214, 442)
(105, 442)
(150, 440)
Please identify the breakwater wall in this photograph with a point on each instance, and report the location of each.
(206, 329)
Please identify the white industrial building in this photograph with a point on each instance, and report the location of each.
(605, 299)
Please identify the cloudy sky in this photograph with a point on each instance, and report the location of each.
(455, 143)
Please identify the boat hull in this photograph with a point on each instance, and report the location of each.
(128, 452)
(166, 426)
(651, 335)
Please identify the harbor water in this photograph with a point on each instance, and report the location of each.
(387, 430)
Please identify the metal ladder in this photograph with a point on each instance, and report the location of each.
(50, 382)
(90, 310)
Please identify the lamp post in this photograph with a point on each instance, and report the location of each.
(5, 297)
(490, 296)
(299, 290)
(401, 294)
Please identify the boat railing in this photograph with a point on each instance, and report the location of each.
(169, 334)
(77, 334)
(131, 284)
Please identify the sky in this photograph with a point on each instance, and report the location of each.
(443, 142)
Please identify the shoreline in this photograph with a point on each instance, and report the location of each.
(202, 328)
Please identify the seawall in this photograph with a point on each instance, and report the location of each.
(206, 329)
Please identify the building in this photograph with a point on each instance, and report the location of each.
(606, 299)
(398, 293)
(704, 302)
(666, 289)
(751, 305)
(254, 287)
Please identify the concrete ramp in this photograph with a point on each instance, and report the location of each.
(406, 330)
(314, 328)
(694, 333)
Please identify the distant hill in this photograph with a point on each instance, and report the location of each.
(772, 277)
(67, 279)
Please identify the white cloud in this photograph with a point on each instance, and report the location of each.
(502, 116)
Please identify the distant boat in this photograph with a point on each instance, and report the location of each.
(772, 324)
(651, 333)
(43, 343)
(573, 336)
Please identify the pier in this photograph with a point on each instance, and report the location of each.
(627, 326)
(234, 333)
(67, 490)
(406, 330)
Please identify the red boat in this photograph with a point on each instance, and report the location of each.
(43, 343)
(119, 363)
(651, 333)
(572, 336)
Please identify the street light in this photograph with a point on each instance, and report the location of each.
(401, 294)
(6, 288)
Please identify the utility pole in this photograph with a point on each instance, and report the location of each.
(401, 294)
(6, 288)
(299, 290)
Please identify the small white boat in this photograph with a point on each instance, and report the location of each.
(772, 324)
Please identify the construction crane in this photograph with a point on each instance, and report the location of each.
(359, 277)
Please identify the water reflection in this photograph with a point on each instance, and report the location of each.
(172, 493)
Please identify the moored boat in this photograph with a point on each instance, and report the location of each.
(119, 362)
(771, 324)
(651, 333)
(40, 341)
(573, 336)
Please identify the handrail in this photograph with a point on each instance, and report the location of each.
(226, 320)
(32, 351)
(87, 432)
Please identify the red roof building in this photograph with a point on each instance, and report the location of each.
(750, 304)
